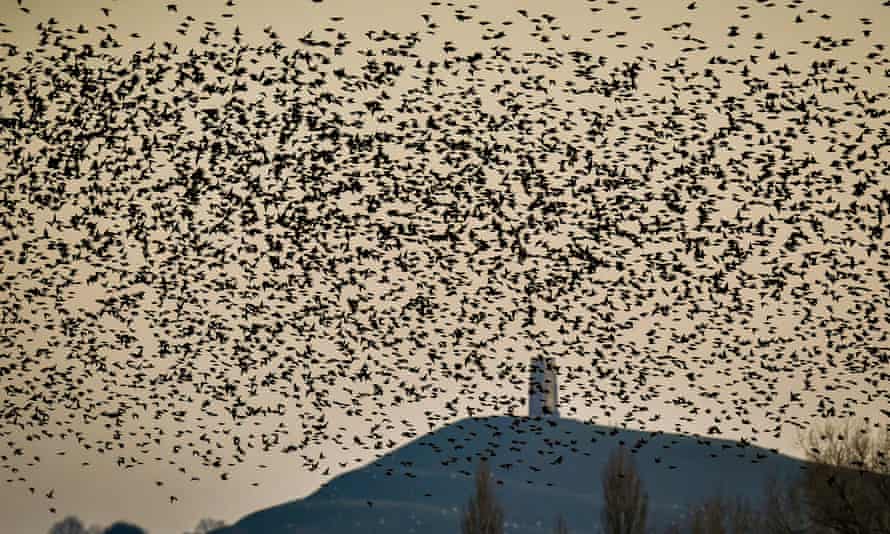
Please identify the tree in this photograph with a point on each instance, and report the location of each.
(784, 508)
(483, 514)
(122, 527)
(721, 515)
(561, 526)
(626, 504)
(847, 485)
(69, 525)
(207, 525)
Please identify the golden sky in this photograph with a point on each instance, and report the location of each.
(627, 337)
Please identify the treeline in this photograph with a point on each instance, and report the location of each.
(845, 490)
(73, 525)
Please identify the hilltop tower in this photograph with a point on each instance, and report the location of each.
(543, 393)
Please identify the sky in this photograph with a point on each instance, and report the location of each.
(626, 340)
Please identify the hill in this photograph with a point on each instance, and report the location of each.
(544, 467)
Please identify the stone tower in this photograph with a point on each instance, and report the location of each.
(543, 394)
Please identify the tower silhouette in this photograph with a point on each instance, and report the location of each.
(543, 394)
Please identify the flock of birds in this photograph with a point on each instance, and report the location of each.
(275, 236)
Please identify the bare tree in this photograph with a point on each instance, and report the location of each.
(69, 525)
(483, 515)
(626, 504)
(848, 444)
(719, 515)
(847, 485)
(784, 507)
(207, 525)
